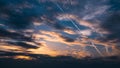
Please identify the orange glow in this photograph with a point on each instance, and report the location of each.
(23, 57)
(69, 31)
(44, 50)
(11, 48)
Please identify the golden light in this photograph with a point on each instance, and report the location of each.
(22, 57)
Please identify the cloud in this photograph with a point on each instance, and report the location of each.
(45, 50)
(23, 57)
(52, 36)
(112, 26)
(14, 35)
(23, 44)
(39, 27)
(8, 48)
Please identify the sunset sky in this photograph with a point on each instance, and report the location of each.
(81, 29)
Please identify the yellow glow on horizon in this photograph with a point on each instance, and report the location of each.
(45, 51)
(11, 48)
(23, 57)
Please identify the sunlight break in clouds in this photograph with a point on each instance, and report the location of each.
(58, 28)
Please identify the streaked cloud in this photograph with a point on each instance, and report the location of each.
(53, 28)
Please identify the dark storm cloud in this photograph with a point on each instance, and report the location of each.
(5, 53)
(14, 19)
(20, 14)
(13, 35)
(22, 44)
(58, 26)
(112, 25)
(112, 22)
(115, 5)
(17, 37)
(68, 39)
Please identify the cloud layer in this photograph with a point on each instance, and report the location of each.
(60, 28)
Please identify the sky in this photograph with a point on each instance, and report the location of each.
(75, 28)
